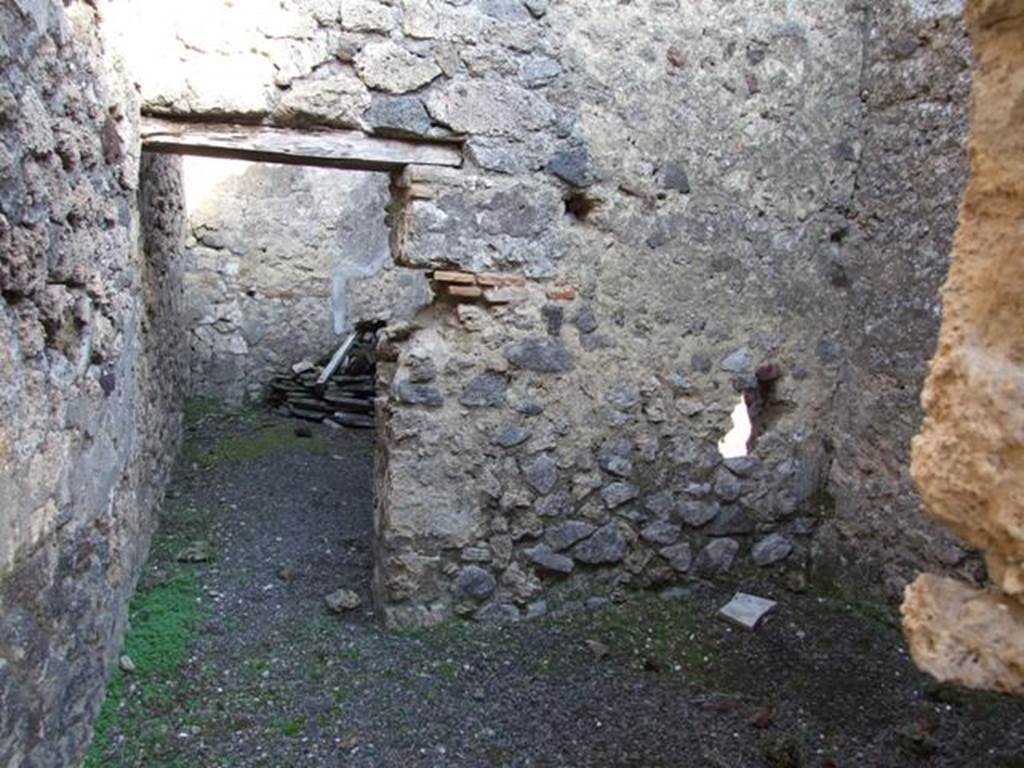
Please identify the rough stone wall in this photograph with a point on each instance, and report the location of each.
(702, 138)
(760, 214)
(88, 377)
(885, 263)
(968, 460)
(281, 260)
(692, 191)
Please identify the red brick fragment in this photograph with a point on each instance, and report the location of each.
(561, 293)
(452, 276)
(762, 718)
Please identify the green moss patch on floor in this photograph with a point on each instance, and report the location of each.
(659, 634)
(181, 525)
(645, 632)
(161, 619)
(263, 442)
(143, 706)
(252, 433)
(199, 408)
(254, 445)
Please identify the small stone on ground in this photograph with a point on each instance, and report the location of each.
(343, 600)
(196, 552)
(746, 610)
(599, 649)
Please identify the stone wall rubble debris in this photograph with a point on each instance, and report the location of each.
(340, 391)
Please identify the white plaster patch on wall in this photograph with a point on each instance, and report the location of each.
(936, 9)
(734, 443)
(362, 243)
(229, 66)
(339, 292)
(202, 176)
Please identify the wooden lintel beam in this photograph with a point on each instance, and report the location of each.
(331, 148)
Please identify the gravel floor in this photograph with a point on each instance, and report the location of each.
(272, 678)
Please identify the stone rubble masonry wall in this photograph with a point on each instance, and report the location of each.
(90, 379)
(886, 261)
(282, 260)
(721, 185)
(968, 460)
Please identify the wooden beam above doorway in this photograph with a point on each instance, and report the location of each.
(353, 150)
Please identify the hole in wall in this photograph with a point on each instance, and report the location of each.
(579, 204)
(735, 443)
(282, 265)
(758, 409)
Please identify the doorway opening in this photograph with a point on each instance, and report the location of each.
(274, 276)
(288, 276)
(286, 279)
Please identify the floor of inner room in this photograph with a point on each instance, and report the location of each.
(233, 657)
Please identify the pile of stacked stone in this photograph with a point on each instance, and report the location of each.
(338, 388)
